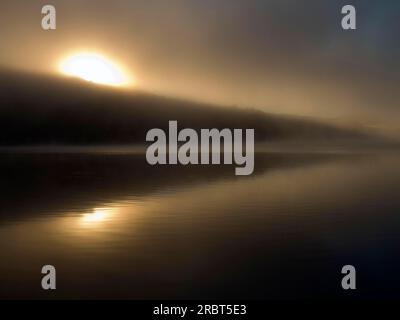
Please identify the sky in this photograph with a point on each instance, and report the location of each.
(280, 56)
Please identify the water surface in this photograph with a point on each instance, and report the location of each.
(115, 227)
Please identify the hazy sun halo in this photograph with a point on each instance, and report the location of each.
(93, 67)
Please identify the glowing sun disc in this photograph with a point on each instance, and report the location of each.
(93, 68)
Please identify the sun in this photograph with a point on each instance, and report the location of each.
(94, 68)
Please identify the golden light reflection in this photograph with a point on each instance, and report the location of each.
(97, 216)
(95, 68)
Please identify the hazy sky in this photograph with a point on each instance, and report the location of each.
(282, 56)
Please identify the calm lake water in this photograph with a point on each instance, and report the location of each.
(115, 227)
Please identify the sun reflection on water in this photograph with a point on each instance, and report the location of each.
(97, 217)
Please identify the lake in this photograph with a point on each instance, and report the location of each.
(115, 227)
